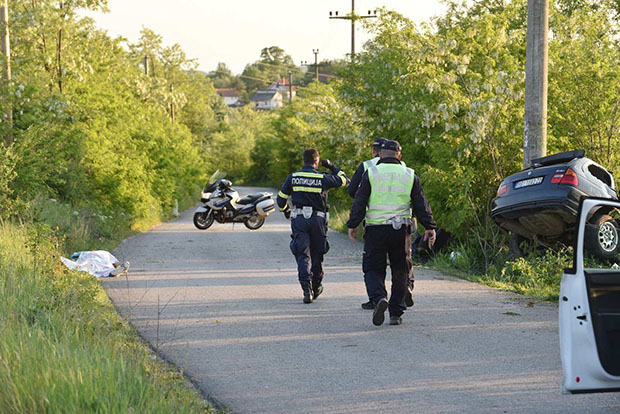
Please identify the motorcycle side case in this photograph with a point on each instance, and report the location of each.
(265, 207)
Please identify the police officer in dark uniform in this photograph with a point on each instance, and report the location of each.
(386, 195)
(352, 190)
(361, 169)
(307, 188)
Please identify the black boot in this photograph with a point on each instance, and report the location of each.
(306, 286)
(317, 289)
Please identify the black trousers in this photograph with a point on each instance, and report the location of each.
(309, 246)
(381, 242)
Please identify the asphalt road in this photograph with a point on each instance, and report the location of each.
(224, 305)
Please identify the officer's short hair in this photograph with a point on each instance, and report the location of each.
(310, 156)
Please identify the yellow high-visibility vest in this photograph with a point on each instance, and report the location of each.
(390, 195)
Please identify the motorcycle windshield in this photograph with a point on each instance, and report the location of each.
(217, 175)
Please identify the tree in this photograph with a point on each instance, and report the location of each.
(319, 120)
(273, 66)
(584, 55)
(452, 96)
(90, 129)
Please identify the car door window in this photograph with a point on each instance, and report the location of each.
(601, 269)
(600, 174)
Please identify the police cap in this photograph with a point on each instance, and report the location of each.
(379, 142)
(390, 145)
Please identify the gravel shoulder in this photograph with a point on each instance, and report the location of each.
(225, 306)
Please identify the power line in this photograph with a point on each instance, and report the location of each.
(327, 75)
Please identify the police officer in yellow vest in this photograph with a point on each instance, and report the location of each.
(307, 189)
(386, 195)
(361, 169)
(352, 190)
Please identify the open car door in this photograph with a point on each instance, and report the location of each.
(589, 310)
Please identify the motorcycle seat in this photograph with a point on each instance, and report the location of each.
(251, 198)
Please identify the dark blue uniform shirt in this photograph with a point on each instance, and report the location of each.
(308, 187)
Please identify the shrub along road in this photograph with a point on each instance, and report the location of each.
(225, 306)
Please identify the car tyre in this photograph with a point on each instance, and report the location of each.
(602, 237)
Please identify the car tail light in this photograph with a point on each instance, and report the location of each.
(503, 188)
(568, 177)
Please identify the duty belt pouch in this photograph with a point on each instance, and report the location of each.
(326, 218)
(294, 213)
(307, 212)
(397, 222)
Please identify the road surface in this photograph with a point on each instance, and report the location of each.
(225, 306)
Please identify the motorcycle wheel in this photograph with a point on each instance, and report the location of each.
(203, 220)
(254, 222)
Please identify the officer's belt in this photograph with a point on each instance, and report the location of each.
(395, 223)
(299, 212)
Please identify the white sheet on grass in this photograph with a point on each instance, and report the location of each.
(99, 263)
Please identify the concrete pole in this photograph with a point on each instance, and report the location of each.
(352, 28)
(171, 104)
(316, 63)
(6, 53)
(290, 86)
(535, 123)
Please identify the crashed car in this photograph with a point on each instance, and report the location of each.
(541, 202)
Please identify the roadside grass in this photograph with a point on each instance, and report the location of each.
(81, 228)
(63, 346)
(537, 274)
(338, 216)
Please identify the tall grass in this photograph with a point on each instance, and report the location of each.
(63, 347)
(537, 274)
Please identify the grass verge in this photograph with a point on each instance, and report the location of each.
(537, 274)
(63, 346)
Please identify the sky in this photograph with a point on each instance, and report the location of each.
(235, 31)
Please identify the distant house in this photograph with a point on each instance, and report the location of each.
(283, 87)
(269, 99)
(231, 97)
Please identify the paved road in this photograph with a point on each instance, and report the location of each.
(225, 305)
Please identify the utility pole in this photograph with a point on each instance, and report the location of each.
(353, 17)
(146, 65)
(535, 122)
(290, 86)
(171, 104)
(6, 53)
(316, 63)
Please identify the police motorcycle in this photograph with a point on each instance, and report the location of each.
(221, 203)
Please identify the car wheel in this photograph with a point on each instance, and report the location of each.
(602, 237)
(203, 220)
(516, 244)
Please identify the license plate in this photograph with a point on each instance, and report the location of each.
(529, 182)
